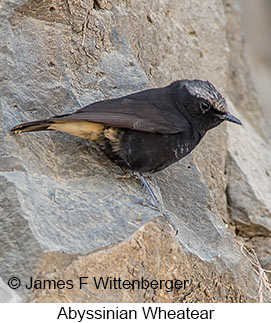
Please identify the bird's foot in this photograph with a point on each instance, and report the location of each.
(152, 206)
(157, 205)
(168, 216)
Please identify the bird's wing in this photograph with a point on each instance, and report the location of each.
(132, 113)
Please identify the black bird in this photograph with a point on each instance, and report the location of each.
(148, 130)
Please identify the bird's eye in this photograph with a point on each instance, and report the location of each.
(205, 106)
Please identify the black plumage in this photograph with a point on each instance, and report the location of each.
(149, 130)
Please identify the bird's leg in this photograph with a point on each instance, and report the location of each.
(157, 205)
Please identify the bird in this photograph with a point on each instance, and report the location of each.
(146, 131)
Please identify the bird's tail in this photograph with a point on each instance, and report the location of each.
(32, 126)
(84, 129)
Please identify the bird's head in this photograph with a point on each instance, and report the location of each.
(202, 104)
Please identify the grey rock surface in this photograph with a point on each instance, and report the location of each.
(257, 21)
(63, 212)
(7, 295)
(241, 92)
(249, 184)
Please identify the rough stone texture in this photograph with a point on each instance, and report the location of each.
(7, 294)
(248, 160)
(249, 184)
(240, 87)
(257, 21)
(63, 212)
(155, 253)
(249, 189)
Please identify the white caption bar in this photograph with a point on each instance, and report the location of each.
(78, 312)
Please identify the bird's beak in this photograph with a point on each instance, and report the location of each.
(229, 117)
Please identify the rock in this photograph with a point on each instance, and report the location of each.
(7, 294)
(63, 212)
(249, 190)
(152, 253)
(257, 21)
(240, 87)
(249, 181)
(262, 245)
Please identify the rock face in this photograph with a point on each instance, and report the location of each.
(257, 21)
(64, 215)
